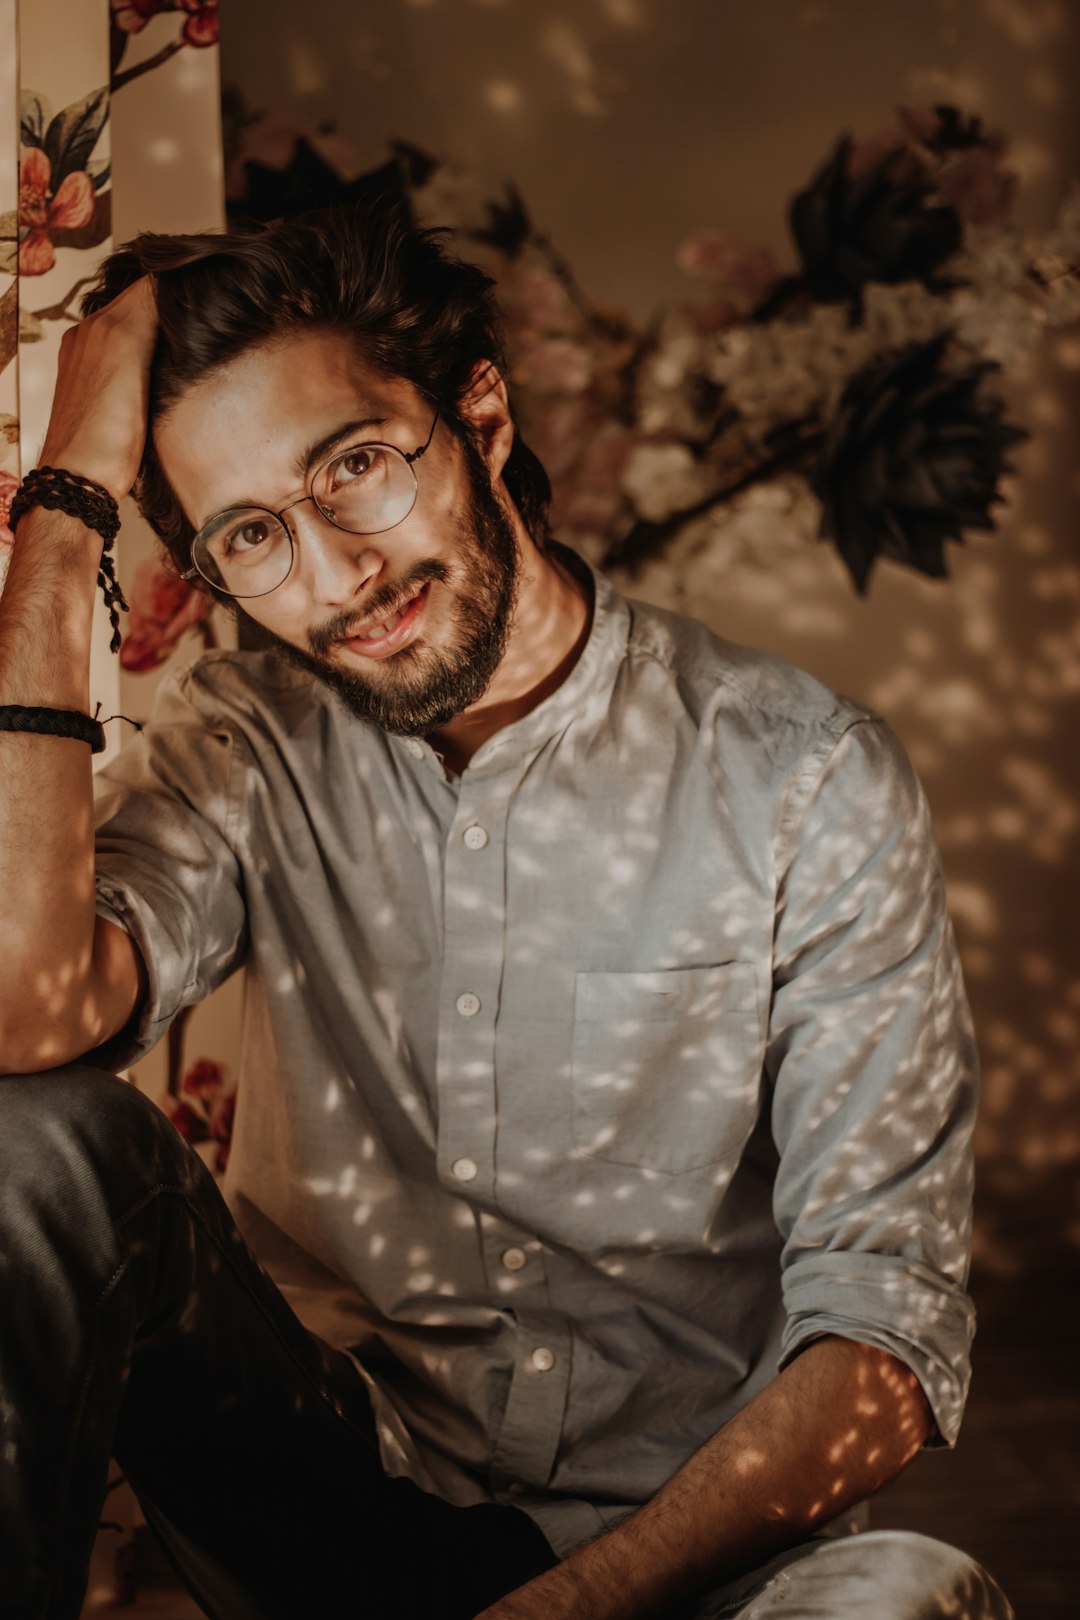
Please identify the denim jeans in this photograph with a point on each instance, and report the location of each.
(135, 1323)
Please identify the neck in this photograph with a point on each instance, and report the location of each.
(551, 626)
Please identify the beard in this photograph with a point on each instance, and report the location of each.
(423, 687)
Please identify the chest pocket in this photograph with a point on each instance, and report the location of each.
(667, 1066)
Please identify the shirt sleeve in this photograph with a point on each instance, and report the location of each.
(165, 816)
(874, 1071)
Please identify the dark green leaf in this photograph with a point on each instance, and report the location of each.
(30, 329)
(73, 134)
(34, 115)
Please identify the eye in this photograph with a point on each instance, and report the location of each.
(249, 535)
(363, 461)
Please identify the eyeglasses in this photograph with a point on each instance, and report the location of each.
(366, 489)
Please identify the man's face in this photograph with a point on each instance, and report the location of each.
(240, 438)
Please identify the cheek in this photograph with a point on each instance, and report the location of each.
(285, 621)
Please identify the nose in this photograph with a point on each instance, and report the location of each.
(333, 564)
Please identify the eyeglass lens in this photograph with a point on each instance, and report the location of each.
(247, 551)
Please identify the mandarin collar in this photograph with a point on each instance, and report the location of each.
(584, 692)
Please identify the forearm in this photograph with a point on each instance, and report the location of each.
(46, 801)
(833, 1427)
(65, 981)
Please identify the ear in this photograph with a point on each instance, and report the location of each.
(485, 407)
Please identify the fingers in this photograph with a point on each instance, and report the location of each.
(99, 414)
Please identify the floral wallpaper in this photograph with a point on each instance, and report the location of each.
(74, 71)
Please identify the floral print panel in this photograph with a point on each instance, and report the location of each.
(72, 70)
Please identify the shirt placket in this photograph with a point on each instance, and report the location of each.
(531, 1430)
(474, 933)
(474, 923)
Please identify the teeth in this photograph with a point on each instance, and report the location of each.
(382, 629)
(384, 626)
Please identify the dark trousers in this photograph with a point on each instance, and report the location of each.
(135, 1323)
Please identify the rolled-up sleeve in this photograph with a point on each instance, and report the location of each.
(874, 1072)
(165, 812)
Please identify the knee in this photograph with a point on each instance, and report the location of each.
(920, 1578)
(890, 1574)
(62, 1127)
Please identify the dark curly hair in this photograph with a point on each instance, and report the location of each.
(413, 308)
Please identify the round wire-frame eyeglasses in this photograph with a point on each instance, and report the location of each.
(408, 457)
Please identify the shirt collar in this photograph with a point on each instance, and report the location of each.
(585, 690)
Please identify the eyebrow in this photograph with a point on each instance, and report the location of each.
(308, 459)
(321, 448)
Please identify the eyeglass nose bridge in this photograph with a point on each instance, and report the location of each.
(323, 511)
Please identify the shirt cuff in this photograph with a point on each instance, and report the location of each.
(915, 1313)
(145, 1030)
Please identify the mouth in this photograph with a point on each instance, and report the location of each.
(386, 635)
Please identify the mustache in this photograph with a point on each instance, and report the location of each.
(385, 601)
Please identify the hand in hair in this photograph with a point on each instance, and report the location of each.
(99, 411)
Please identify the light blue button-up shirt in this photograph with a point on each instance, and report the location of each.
(581, 1091)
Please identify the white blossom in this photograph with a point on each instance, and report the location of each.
(664, 478)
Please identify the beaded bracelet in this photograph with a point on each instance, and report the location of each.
(63, 491)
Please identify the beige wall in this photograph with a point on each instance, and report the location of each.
(628, 124)
(167, 176)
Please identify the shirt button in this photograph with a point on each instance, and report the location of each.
(475, 837)
(464, 1169)
(468, 1005)
(513, 1259)
(415, 747)
(543, 1359)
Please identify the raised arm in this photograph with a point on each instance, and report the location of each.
(70, 979)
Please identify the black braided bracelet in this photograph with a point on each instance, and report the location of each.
(63, 491)
(53, 723)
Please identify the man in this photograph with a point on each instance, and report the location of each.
(608, 1081)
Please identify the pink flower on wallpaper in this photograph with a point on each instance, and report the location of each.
(188, 1121)
(200, 25)
(210, 1114)
(131, 15)
(204, 1079)
(8, 486)
(163, 608)
(41, 211)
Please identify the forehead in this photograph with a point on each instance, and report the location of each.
(236, 435)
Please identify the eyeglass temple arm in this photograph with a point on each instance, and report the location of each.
(416, 454)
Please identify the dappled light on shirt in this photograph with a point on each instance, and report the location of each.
(644, 1037)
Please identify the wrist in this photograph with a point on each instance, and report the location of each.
(88, 502)
(60, 531)
(83, 464)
